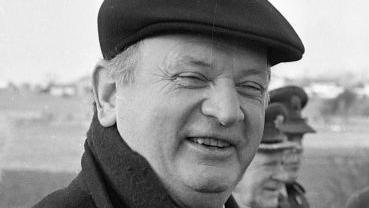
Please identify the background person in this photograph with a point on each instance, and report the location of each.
(294, 98)
(264, 180)
(180, 101)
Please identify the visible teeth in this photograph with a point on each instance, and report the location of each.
(200, 141)
(223, 144)
(211, 142)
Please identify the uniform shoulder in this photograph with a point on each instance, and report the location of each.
(296, 196)
(297, 187)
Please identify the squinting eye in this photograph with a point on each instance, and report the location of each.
(250, 88)
(191, 80)
(273, 163)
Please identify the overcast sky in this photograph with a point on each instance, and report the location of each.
(43, 39)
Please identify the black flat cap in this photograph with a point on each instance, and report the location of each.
(121, 23)
(294, 98)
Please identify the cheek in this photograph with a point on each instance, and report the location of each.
(152, 120)
(254, 123)
(140, 121)
(262, 179)
(254, 117)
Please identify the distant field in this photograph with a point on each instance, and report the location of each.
(24, 188)
(42, 131)
(41, 141)
(330, 176)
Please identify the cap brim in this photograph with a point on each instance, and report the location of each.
(297, 128)
(276, 146)
(277, 51)
(123, 23)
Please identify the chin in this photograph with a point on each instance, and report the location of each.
(210, 182)
(268, 203)
(211, 188)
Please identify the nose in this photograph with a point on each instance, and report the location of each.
(223, 103)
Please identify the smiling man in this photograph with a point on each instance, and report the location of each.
(179, 101)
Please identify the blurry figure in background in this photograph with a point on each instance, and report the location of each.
(294, 98)
(359, 199)
(264, 180)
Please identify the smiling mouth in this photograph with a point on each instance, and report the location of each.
(210, 142)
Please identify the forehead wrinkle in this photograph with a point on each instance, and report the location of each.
(177, 55)
(174, 61)
(196, 62)
(231, 52)
(170, 61)
(254, 71)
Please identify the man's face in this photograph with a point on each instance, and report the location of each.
(294, 157)
(195, 111)
(262, 182)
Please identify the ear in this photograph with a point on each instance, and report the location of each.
(104, 92)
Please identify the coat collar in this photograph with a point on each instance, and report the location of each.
(117, 176)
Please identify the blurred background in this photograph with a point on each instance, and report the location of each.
(48, 50)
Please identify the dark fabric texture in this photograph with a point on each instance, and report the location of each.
(273, 114)
(359, 199)
(124, 22)
(284, 95)
(294, 98)
(112, 176)
(296, 196)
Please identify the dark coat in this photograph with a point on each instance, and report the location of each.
(112, 176)
(296, 196)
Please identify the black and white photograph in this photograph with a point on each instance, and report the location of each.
(184, 104)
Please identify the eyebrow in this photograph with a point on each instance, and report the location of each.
(253, 71)
(198, 62)
(185, 61)
(272, 162)
(195, 62)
